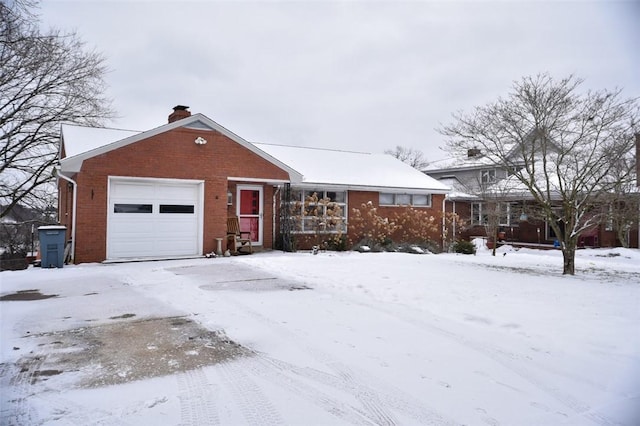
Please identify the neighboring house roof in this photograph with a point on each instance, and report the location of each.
(353, 170)
(81, 144)
(458, 192)
(460, 163)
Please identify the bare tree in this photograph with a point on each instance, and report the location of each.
(413, 157)
(45, 79)
(558, 142)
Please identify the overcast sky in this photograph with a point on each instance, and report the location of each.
(363, 76)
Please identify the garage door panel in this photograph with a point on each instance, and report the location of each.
(123, 227)
(132, 191)
(132, 249)
(153, 219)
(177, 226)
(178, 192)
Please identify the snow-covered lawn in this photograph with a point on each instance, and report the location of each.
(334, 338)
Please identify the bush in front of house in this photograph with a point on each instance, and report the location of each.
(464, 247)
(372, 229)
(407, 230)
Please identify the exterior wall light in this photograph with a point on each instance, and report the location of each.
(229, 198)
(200, 140)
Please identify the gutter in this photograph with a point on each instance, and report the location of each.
(444, 223)
(59, 174)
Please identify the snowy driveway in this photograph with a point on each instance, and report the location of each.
(336, 339)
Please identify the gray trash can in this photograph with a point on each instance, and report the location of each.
(52, 238)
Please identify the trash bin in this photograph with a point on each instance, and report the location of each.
(52, 238)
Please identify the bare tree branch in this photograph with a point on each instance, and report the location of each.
(413, 157)
(46, 79)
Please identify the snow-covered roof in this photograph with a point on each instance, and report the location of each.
(356, 170)
(460, 163)
(458, 191)
(80, 139)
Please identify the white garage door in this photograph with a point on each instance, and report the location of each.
(154, 218)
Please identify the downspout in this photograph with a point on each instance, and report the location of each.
(273, 216)
(73, 217)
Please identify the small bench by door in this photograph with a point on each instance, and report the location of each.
(237, 239)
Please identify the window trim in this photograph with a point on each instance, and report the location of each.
(490, 174)
(299, 219)
(411, 197)
(483, 218)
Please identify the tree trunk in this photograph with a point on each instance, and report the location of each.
(495, 241)
(569, 256)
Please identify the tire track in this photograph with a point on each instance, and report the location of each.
(197, 400)
(377, 397)
(255, 406)
(264, 367)
(373, 407)
(504, 358)
(376, 400)
(22, 377)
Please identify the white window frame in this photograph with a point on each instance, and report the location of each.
(300, 226)
(396, 203)
(478, 218)
(488, 176)
(505, 219)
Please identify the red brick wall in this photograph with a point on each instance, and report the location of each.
(172, 155)
(65, 205)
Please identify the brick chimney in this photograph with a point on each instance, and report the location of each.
(473, 152)
(179, 112)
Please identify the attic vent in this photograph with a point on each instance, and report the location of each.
(473, 152)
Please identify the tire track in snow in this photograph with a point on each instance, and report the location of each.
(504, 358)
(373, 411)
(376, 400)
(371, 398)
(22, 377)
(274, 371)
(197, 400)
(255, 406)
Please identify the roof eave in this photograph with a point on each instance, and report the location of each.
(370, 188)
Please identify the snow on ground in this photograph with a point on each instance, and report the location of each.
(341, 338)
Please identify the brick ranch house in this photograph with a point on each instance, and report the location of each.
(167, 192)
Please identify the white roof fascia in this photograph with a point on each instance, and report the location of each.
(385, 189)
(253, 179)
(73, 164)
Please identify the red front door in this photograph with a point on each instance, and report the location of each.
(250, 211)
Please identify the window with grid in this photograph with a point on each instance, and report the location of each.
(488, 176)
(315, 210)
(479, 214)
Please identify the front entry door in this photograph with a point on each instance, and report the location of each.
(249, 209)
